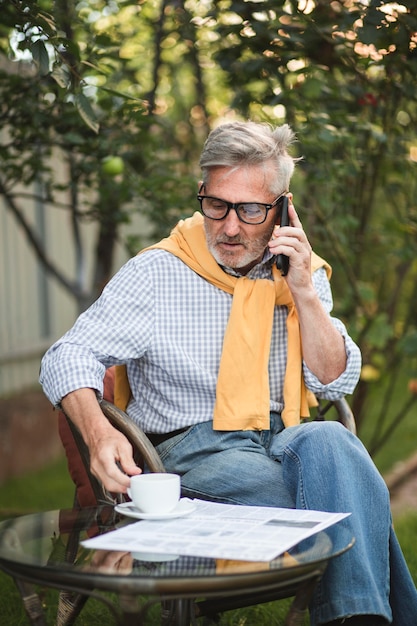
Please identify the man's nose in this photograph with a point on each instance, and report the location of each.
(231, 224)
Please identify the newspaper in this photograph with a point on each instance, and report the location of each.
(221, 531)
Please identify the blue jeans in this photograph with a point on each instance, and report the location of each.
(321, 466)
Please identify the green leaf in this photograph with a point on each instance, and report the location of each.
(40, 56)
(124, 95)
(366, 291)
(380, 332)
(60, 77)
(86, 112)
(408, 343)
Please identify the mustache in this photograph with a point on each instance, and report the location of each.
(235, 239)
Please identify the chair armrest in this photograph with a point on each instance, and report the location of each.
(120, 420)
(345, 414)
(142, 448)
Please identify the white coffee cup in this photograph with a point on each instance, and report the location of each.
(156, 493)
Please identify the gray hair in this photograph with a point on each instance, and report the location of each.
(236, 144)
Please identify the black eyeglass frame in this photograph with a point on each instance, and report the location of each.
(236, 205)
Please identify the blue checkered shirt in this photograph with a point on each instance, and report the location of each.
(167, 324)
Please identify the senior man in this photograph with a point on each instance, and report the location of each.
(222, 354)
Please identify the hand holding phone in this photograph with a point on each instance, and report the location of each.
(282, 261)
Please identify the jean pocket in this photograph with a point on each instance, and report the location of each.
(167, 447)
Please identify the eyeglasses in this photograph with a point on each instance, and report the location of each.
(247, 212)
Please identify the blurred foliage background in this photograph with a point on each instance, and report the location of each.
(126, 92)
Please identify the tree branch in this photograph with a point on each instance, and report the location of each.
(159, 33)
(38, 248)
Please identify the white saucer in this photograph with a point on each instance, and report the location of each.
(184, 507)
(153, 557)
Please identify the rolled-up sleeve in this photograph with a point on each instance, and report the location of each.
(347, 381)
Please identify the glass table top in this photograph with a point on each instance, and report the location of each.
(46, 547)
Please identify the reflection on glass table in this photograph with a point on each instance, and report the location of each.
(45, 549)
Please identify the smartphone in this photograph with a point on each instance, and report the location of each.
(283, 262)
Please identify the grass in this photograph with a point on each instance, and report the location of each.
(51, 488)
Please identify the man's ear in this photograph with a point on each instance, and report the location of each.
(200, 183)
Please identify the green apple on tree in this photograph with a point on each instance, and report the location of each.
(112, 165)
